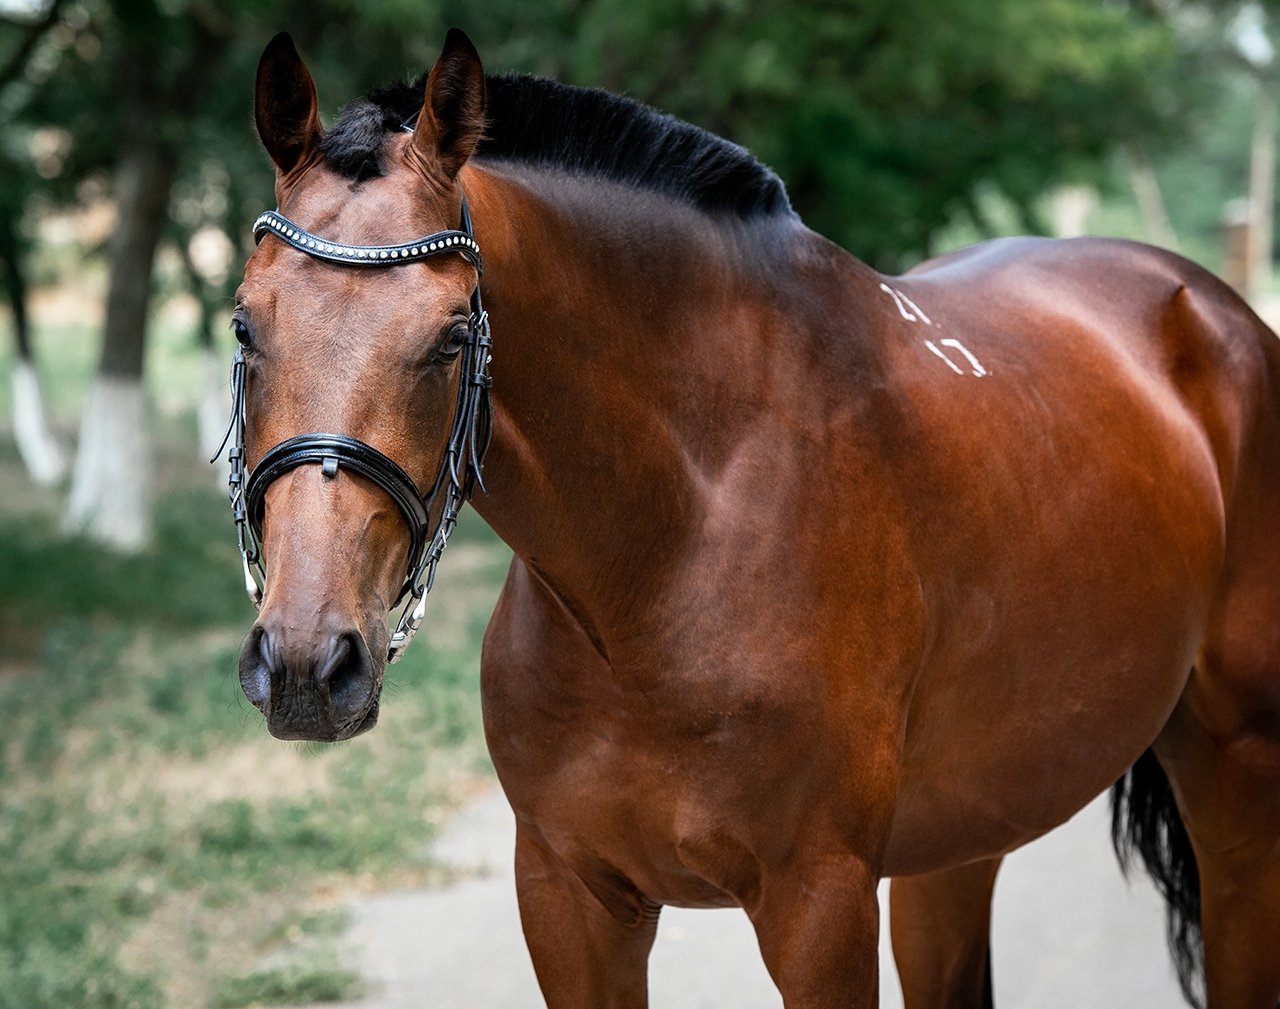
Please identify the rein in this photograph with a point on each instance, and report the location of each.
(460, 470)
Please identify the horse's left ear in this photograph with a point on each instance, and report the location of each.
(452, 116)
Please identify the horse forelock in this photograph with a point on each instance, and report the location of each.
(579, 130)
(354, 146)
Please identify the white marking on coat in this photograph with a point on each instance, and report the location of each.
(917, 309)
(950, 363)
(897, 302)
(901, 301)
(978, 370)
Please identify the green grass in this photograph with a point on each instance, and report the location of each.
(155, 842)
(187, 579)
(298, 984)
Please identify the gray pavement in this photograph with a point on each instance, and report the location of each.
(1068, 933)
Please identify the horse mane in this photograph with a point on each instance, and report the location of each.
(578, 130)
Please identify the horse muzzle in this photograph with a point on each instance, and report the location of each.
(321, 687)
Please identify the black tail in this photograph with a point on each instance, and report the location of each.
(1145, 823)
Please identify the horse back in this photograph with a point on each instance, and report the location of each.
(1120, 319)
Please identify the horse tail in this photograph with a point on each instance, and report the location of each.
(1145, 824)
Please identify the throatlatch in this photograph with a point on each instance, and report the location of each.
(461, 470)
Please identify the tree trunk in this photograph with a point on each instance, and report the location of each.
(1151, 206)
(40, 451)
(1071, 207)
(215, 396)
(1262, 177)
(111, 487)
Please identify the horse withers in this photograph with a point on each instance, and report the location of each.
(820, 575)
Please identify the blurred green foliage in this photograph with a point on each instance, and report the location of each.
(298, 984)
(886, 119)
(164, 586)
(890, 120)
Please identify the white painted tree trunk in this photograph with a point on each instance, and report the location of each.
(39, 449)
(1070, 210)
(1156, 223)
(1262, 186)
(214, 412)
(111, 486)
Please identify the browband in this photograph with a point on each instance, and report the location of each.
(277, 224)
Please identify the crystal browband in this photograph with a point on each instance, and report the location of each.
(366, 255)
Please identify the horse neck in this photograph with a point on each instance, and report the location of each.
(632, 344)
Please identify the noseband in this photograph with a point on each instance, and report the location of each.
(460, 470)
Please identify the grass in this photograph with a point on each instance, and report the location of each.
(298, 984)
(312, 973)
(155, 843)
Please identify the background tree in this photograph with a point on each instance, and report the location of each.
(19, 70)
(1232, 43)
(164, 65)
(890, 121)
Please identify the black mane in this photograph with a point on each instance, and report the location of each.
(578, 130)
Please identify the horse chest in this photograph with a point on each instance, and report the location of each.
(653, 750)
(670, 824)
(683, 798)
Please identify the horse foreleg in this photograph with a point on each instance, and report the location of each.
(590, 950)
(818, 924)
(941, 928)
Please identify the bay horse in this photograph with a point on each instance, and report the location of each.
(820, 575)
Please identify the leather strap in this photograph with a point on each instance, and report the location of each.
(461, 242)
(338, 450)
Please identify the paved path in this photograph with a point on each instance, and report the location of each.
(1068, 933)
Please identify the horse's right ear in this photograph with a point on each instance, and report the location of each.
(285, 106)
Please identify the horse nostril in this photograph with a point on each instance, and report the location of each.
(339, 649)
(257, 658)
(347, 673)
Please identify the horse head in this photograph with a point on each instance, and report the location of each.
(360, 388)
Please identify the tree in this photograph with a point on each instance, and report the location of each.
(37, 445)
(165, 67)
(1218, 167)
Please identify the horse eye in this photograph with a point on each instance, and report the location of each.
(243, 336)
(453, 343)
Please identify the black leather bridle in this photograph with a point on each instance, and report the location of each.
(460, 470)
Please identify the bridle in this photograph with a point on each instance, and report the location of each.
(460, 470)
